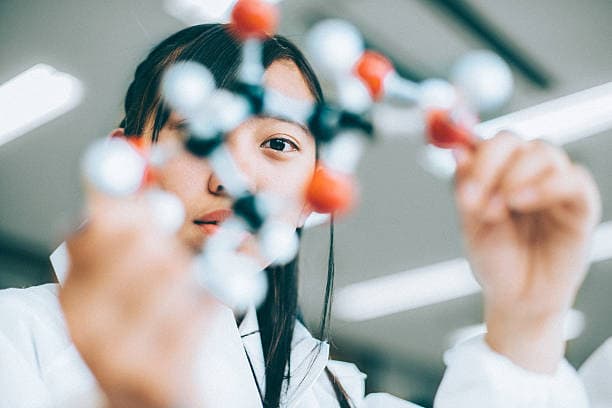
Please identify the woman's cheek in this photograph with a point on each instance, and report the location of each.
(183, 176)
(293, 192)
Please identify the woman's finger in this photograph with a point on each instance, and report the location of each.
(573, 188)
(529, 165)
(489, 161)
(533, 164)
(463, 158)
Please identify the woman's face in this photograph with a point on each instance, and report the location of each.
(275, 156)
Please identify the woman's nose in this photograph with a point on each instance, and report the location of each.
(243, 168)
(215, 186)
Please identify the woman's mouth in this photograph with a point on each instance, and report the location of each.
(210, 222)
(208, 227)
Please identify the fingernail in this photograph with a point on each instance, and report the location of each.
(470, 194)
(524, 197)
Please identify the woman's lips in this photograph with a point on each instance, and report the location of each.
(208, 229)
(210, 222)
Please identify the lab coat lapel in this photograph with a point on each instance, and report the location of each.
(308, 357)
(60, 261)
(224, 375)
(251, 339)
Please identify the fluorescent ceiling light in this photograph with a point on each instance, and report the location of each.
(200, 11)
(559, 121)
(34, 97)
(428, 285)
(405, 290)
(573, 326)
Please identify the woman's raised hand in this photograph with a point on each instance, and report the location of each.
(131, 306)
(528, 214)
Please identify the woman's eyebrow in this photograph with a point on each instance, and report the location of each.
(175, 123)
(302, 126)
(178, 123)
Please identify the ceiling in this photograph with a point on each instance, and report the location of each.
(406, 217)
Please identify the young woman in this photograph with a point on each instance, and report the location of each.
(131, 327)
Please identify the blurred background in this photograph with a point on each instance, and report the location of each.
(406, 217)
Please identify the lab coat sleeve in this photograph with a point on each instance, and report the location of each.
(596, 373)
(476, 376)
(20, 382)
(39, 366)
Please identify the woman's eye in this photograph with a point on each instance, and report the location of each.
(182, 128)
(280, 144)
(178, 130)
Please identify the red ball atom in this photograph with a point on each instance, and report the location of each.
(331, 192)
(373, 68)
(254, 19)
(149, 177)
(143, 147)
(443, 132)
(140, 144)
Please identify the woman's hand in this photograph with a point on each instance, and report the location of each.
(528, 215)
(133, 311)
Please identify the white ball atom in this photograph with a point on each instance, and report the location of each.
(438, 162)
(344, 152)
(279, 242)
(484, 79)
(113, 167)
(353, 95)
(167, 209)
(229, 109)
(186, 86)
(437, 93)
(235, 279)
(335, 46)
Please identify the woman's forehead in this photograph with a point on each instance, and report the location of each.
(285, 77)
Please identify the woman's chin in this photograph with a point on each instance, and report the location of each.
(196, 241)
(250, 248)
(193, 238)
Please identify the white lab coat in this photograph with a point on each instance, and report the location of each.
(596, 373)
(40, 367)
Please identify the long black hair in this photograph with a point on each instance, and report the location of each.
(213, 46)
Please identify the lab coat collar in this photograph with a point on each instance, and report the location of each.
(308, 359)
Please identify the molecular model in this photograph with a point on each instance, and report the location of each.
(360, 78)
